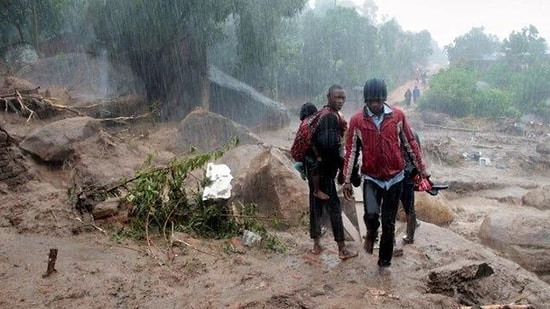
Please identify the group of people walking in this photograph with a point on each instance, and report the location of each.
(379, 146)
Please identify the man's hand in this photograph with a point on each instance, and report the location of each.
(347, 189)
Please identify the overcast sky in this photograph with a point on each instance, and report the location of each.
(447, 19)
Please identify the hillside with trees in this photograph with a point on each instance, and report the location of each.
(492, 78)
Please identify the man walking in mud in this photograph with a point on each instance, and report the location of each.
(380, 132)
(327, 139)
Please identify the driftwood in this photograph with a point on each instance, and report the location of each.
(27, 104)
(445, 278)
(459, 280)
(511, 306)
(32, 104)
(52, 258)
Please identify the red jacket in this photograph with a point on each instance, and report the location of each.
(381, 149)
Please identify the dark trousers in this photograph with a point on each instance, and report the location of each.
(407, 195)
(332, 205)
(379, 202)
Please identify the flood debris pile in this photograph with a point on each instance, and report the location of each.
(24, 98)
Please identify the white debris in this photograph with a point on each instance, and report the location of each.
(220, 188)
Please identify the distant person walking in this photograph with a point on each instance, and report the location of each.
(408, 96)
(416, 93)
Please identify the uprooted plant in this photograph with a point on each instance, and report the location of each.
(162, 200)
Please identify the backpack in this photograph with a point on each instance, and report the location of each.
(302, 141)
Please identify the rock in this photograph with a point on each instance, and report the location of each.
(208, 131)
(11, 83)
(543, 147)
(456, 275)
(55, 142)
(266, 177)
(523, 238)
(106, 209)
(433, 209)
(243, 104)
(444, 251)
(538, 198)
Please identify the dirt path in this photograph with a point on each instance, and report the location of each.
(103, 271)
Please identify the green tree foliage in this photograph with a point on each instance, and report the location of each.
(524, 47)
(472, 46)
(518, 82)
(33, 20)
(259, 22)
(457, 92)
(337, 48)
(452, 91)
(166, 42)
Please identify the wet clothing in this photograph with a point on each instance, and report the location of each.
(382, 140)
(332, 206)
(328, 141)
(381, 147)
(379, 202)
(407, 195)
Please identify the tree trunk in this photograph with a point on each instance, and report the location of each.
(36, 29)
(20, 31)
(202, 68)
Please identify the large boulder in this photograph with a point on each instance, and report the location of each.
(433, 209)
(208, 131)
(265, 176)
(9, 84)
(538, 198)
(243, 104)
(55, 142)
(524, 237)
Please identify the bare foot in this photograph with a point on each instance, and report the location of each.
(317, 249)
(345, 254)
(321, 195)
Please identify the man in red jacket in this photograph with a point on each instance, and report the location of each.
(380, 132)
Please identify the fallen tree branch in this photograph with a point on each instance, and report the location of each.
(193, 247)
(122, 120)
(63, 107)
(92, 225)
